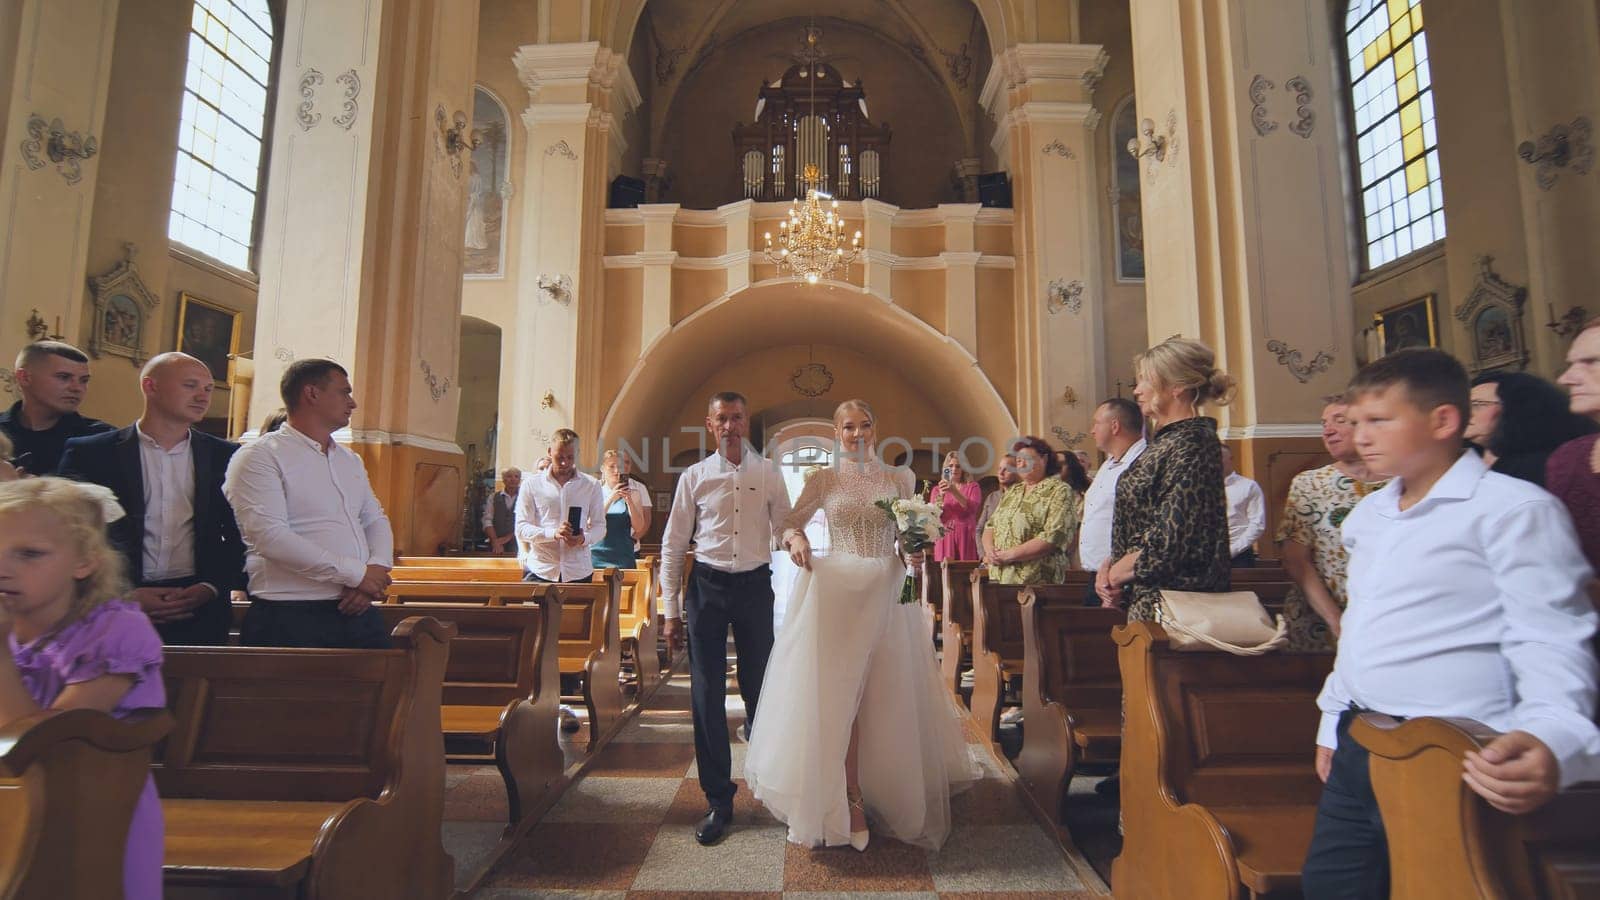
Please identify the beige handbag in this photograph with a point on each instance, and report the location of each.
(1235, 622)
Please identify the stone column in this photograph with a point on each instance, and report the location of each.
(576, 93)
(658, 257)
(1553, 78)
(1040, 96)
(1246, 237)
(361, 245)
(55, 68)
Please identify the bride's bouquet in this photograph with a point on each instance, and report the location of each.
(918, 526)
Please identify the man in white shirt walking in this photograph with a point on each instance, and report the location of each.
(1118, 432)
(319, 547)
(1247, 512)
(733, 504)
(552, 548)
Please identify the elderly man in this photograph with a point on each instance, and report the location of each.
(320, 546)
(53, 379)
(182, 545)
(500, 512)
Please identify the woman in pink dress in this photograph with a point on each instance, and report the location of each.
(960, 499)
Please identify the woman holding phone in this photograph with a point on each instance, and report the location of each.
(627, 518)
(959, 499)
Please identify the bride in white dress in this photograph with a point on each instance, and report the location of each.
(854, 725)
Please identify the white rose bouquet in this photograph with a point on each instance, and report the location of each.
(918, 526)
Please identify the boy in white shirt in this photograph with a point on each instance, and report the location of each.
(1467, 598)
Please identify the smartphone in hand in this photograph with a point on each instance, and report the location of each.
(575, 519)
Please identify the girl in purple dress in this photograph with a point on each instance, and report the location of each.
(68, 642)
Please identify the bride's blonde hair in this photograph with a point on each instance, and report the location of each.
(859, 406)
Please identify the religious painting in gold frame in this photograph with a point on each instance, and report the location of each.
(210, 333)
(1410, 324)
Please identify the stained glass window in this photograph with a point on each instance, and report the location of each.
(1397, 145)
(222, 129)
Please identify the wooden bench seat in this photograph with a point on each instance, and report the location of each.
(461, 562)
(1447, 843)
(591, 650)
(1219, 790)
(59, 841)
(1071, 692)
(998, 654)
(441, 573)
(501, 694)
(476, 591)
(636, 621)
(955, 621)
(306, 774)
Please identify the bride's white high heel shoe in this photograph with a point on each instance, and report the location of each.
(858, 839)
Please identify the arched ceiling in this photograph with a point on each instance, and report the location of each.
(947, 37)
(783, 313)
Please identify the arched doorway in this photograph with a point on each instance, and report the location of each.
(918, 378)
(477, 423)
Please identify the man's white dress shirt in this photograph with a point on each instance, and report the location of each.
(168, 508)
(541, 511)
(1247, 512)
(310, 521)
(1099, 503)
(1470, 603)
(734, 513)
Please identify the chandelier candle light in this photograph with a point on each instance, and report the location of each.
(811, 242)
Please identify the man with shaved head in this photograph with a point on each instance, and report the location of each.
(179, 536)
(53, 378)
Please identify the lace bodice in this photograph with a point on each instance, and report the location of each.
(847, 494)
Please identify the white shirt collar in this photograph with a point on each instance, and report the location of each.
(148, 441)
(1459, 482)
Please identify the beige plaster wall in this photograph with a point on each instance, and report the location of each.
(1126, 329)
(480, 388)
(133, 200)
(927, 134)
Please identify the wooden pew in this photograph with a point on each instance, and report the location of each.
(440, 573)
(502, 689)
(461, 562)
(1219, 789)
(69, 780)
(930, 593)
(1447, 843)
(485, 593)
(636, 620)
(306, 774)
(956, 620)
(997, 651)
(1071, 692)
(591, 649)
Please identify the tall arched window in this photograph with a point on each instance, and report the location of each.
(223, 128)
(1402, 200)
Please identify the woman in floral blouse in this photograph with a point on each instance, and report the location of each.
(1309, 537)
(1030, 537)
(1170, 524)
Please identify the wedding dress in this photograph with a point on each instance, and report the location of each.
(851, 653)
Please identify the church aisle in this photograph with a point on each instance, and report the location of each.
(627, 831)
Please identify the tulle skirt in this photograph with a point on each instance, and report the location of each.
(851, 653)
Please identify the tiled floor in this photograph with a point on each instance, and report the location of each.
(627, 831)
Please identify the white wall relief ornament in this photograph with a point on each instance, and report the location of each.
(1294, 361)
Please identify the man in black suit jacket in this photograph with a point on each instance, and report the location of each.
(183, 548)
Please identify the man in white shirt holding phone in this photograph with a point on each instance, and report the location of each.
(560, 515)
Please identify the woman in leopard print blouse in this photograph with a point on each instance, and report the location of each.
(1170, 524)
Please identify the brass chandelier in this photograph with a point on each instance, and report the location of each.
(811, 242)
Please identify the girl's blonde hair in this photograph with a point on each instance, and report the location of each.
(1188, 364)
(859, 406)
(82, 517)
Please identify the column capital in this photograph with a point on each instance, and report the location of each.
(567, 71)
(1072, 69)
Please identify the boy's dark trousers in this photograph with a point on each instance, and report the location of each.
(1349, 855)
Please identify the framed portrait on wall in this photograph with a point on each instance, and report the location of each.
(1411, 324)
(208, 332)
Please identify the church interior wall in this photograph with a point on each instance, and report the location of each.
(132, 202)
(1126, 331)
(622, 327)
(479, 375)
(928, 136)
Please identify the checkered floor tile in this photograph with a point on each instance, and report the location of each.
(626, 831)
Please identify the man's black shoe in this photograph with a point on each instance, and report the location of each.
(714, 826)
(1111, 787)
